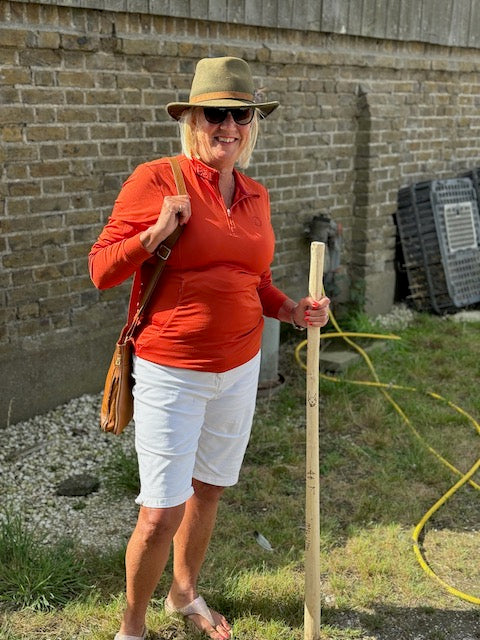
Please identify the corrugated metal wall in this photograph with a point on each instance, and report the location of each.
(448, 22)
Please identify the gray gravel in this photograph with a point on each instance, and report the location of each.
(400, 317)
(40, 453)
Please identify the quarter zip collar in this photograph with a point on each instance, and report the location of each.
(212, 175)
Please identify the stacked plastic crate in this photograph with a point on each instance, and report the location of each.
(439, 228)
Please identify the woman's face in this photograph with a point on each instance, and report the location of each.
(220, 145)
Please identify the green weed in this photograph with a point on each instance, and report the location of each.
(121, 471)
(35, 576)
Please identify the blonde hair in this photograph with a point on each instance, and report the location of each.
(189, 142)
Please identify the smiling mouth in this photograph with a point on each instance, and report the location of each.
(223, 139)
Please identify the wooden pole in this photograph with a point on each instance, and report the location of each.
(312, 498)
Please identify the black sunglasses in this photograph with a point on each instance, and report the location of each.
(216, 115)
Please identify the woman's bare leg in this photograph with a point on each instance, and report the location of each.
(190, 546)
(147, 554)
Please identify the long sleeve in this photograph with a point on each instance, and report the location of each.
(116, 255)
(270, 296)
(118, 252)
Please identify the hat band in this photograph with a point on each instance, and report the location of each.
(219, 95)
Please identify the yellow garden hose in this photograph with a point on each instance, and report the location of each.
(384, 388)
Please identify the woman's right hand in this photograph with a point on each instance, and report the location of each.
(175, 210)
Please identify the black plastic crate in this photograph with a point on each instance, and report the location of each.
(439, 230)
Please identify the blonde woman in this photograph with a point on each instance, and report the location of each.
(197, 353)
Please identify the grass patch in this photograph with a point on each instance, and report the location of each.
(377, 480)
(33, 576)
(121, 471)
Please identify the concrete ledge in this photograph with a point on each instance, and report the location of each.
(34, 382)
(336, 360)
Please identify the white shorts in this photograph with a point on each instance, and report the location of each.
(190, 424)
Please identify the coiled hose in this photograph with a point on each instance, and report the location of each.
(384, 388)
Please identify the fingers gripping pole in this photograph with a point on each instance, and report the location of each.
(312, 498)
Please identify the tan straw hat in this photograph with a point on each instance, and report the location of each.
(221, 82)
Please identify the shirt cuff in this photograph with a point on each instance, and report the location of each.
(135, 252)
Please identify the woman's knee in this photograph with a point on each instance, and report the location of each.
(156, 525)
(209, 492)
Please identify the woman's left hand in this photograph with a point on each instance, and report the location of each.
(310, 312)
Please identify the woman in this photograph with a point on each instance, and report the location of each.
(197, 353)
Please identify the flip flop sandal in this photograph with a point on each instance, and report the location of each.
(196, 607)
(120, 636)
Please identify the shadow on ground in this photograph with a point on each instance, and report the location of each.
(401, 623)
(384, 623)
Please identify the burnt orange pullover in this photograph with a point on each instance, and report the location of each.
(207, 311)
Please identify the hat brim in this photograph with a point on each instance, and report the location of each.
(175, 109)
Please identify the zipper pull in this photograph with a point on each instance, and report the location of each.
(229, 213)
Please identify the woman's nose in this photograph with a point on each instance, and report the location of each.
(228, 120)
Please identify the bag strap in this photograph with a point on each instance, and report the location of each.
(163, 252)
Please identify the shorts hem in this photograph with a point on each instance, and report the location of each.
(163, 503)
(217, 481)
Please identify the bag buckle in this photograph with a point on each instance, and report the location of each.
(163, 252)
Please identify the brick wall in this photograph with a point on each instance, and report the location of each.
(82, 94)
